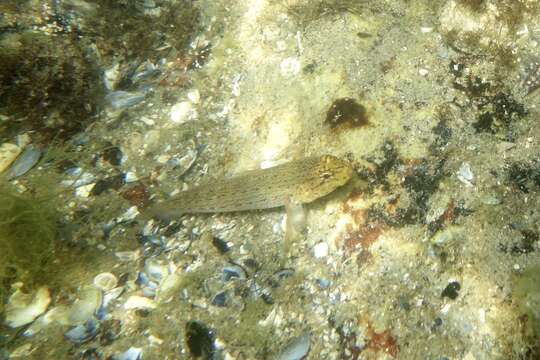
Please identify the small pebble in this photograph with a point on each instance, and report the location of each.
(113, 155)
(200, 340)
(451, 291)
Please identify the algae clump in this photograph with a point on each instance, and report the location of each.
(28, 228)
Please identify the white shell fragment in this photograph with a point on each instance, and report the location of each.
(22, 308)
(105, 281)
(8, 153)
(290, 67)
(297, 349)
(132, 353)
(123, 99)
(465, 174)
(320, 250)
(183, 112)
(111, 76)
(139, 302)
(423, 72)
(194, 96)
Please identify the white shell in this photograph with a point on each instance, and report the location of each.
(105, 281)
(182, 112)
(22, 308)
(465, 174)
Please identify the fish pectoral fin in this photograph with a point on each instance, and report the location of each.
(296, 220)
(160, 211)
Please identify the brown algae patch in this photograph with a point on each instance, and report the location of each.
(346, 113)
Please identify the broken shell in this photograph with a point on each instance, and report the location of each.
(130, 354)
(83, 332)
(24, 162)
(139, 302)
(22, 308)
(8, 153)
(465, 174)
(85, 306)
(155, 270)
(105, 281)
(297, 349)
(233, 271)
(184, 163)
(123, 99)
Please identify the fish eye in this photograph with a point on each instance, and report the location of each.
(326, 175)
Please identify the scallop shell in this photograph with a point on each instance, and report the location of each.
(105, 281)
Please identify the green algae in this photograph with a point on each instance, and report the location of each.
(526, 295)
(28, 229)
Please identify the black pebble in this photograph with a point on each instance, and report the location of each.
(451, 290)
(113, 156)
(199, 340)
(220, 245)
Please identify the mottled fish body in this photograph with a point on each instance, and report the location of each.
(303, 181)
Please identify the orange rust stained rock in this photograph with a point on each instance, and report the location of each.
(383, 341)
(450, 213)
(137, 195)
(364, 237)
